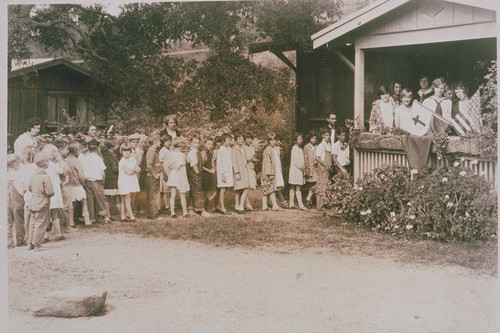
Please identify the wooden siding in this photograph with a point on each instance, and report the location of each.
(418, 15)
(28, 97)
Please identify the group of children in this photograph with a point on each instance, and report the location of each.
(45, 184)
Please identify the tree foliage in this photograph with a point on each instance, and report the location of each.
(129, 53)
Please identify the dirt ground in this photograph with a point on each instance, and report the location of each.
(161, 285)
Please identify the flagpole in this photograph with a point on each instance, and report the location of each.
(434, 113)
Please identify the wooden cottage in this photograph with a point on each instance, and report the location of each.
(45, 90)
(396, 40)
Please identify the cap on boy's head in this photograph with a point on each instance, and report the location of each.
(42, 159)
(218, 139)
(135, 136)
(153, 137)
(93, 143)
(12, 160)
(179, 142)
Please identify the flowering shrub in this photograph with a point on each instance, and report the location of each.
(341, 197)
(447, 204)
(454, 203)
(383, 197)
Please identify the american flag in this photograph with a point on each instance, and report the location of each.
(469, 120)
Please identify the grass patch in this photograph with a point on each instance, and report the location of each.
(295, 230)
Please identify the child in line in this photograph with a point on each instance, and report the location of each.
(55, 172)
(280, 182)
(249, 150)
(240, 173)
(296, 174)
(177, 178)
(340, 152)
(128, 181)
(270, 166)
(224, 169)
(310, 171)
(111, 162)
(74, 190)
(218, 143)
(163, 157)
(324, 162)
(209, 178)
(94, 168)
(153, 168)
(42, 190)
(15, 201)
(27, 169)
(196, 198)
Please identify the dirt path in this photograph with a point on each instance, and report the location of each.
(158, 285)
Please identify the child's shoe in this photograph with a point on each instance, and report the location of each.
(45, 240)
(31, 246)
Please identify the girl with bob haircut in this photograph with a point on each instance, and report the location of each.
(382, 114)
(438, 102)
(402, 114)
(177, 179)
(271, 169)
(127, 181)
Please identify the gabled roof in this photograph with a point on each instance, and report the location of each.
(374, 11)
(48, 64)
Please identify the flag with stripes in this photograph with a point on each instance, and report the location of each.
(468, 119)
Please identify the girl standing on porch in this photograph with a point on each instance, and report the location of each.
(382, 114)
(310, 171)
(402, 113)
(438, 102)
(324, 160)
(296, 174)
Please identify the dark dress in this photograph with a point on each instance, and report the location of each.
(196, 197)
(111, 162)
(209, 180)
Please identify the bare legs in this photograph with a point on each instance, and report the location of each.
(272, 196)
(173, 192)
(298, 194)
(126, 208)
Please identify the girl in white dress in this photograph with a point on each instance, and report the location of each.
(438, 102)
(127, 181)
(224, 169)
(296, 174)
(177, 175)
(402, 113)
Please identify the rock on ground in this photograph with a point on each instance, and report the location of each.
(71, 303)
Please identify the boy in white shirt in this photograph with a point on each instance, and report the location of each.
(93, 168)
(340, 153)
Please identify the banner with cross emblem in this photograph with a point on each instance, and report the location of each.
(421, 120)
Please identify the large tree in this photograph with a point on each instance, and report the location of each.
(129, 53)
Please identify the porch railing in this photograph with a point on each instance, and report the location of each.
(373, 151)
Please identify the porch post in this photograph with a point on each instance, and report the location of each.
(359, 101)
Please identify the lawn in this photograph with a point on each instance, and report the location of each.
(292, 230)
